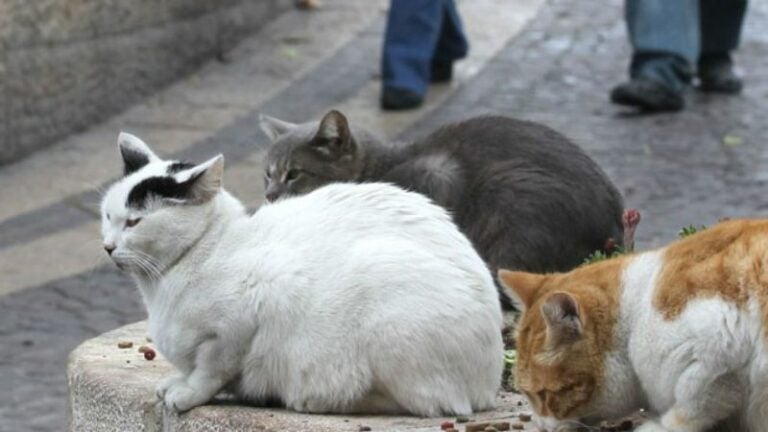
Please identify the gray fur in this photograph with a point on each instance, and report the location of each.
(527, 197)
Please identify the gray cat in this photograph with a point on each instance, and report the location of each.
(527, 197)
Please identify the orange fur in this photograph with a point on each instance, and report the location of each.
(729, 260)
(560, 379)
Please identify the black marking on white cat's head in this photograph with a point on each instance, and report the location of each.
(159, 188)
(176, 167)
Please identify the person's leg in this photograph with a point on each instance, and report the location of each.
(721, 23)
(452, 45)
(412, 32)
(665, 40)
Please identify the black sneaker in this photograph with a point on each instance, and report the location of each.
(441, 71)
(648, 95)
(399, 99)
(716, 74)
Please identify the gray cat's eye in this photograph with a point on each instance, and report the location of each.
(292, 175)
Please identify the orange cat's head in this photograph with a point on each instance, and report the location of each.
(563, 336)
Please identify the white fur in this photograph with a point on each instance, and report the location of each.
(707, 366)
(353, 298)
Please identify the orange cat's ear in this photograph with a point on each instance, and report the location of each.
(522, 287)
(563, 318)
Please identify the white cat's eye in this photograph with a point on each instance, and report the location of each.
(132, 222)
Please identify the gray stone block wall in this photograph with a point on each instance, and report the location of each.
(66, 64)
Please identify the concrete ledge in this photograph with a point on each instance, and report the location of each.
(112, 389)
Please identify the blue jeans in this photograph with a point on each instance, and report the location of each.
(669, 36)
(420, 33)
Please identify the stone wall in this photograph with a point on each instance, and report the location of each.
(65, 64)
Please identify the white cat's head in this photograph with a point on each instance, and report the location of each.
(151, 216)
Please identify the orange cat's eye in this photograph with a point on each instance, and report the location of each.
(132, 222)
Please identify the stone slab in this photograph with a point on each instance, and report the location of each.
(112, 389)
(64, 67)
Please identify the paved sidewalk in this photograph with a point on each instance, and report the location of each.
(693, 167)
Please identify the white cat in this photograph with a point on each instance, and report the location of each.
(353, 298)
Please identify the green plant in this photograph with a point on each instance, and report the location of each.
(690, 230)
(600, 255)
(508, 375)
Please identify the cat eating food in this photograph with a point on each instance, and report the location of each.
(527, 197)
(681, 331)
(350, 299)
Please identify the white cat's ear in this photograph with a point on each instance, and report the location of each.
(563, 318)
(274, 128)
(203, 181)
(136, 153)
(334, 137)
(521, 287)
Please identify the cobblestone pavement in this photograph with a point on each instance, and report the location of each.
(693, 167)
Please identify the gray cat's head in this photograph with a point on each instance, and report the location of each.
(304, 157)
(158, 209)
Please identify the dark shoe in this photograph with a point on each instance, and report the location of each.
(399, 99)
(441, 72)
(716, 74)
(648, 95)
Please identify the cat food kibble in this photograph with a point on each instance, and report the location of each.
(364, 428)
(518, 426)
(124, 344)
(144, 348)
(149, 354)
(525, 417)
(446, 425)
(462, 419)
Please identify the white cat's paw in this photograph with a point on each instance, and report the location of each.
(166, 383)
(651, 426)
(180, 397)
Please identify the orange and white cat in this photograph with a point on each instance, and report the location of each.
(681, 331)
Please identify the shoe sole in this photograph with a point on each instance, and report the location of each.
(645, 105)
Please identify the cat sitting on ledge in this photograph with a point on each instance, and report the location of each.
(350, 299)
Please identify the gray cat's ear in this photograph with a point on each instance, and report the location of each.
(274, 128)
(563, 318)
(333, 135)
(202, 181)
(136, 153)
